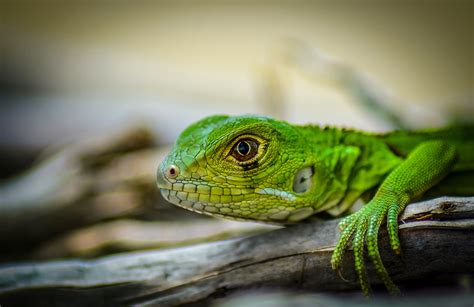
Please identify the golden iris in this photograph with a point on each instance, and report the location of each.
(245, 149)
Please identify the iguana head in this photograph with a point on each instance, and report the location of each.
(245, 167)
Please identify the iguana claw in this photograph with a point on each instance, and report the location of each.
(363, 227)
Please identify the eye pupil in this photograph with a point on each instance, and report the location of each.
(243, 148)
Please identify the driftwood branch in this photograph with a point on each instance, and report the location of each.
(129, 235)
(105, 178)
(436, 238)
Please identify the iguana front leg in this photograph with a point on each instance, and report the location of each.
(423, 168)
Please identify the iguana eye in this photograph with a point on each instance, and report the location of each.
(245, 149)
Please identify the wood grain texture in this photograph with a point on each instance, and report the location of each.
(293, 257)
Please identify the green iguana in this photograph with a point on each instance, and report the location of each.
(260, 169)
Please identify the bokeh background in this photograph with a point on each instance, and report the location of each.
(70, 69)
(93, 93)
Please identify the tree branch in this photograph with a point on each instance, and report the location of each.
(436, 237)
(105, 178)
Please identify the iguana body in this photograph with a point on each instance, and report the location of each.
(258, 168)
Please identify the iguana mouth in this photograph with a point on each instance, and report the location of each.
(181, 199)
(205, 198)
(237, 202)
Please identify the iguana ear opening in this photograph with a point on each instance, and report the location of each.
(303, 180)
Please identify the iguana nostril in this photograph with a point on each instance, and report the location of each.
(172, 172)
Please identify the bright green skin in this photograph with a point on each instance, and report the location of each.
(402, 166)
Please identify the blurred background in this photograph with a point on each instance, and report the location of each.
(70, 69)
(93, 92)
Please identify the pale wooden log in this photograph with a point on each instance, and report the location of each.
(129, 235)
(293, 257)
(63, 177)
(109, 177)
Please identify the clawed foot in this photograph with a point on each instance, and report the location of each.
(362, 228)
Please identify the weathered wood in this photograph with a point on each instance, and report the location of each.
(63, 177)
(130, 235)
(293, 257)
(109, 177)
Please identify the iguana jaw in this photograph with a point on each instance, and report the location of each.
(202, 197)
(244, 205)
(198, 207)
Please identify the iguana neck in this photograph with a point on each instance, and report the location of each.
(350, 162)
